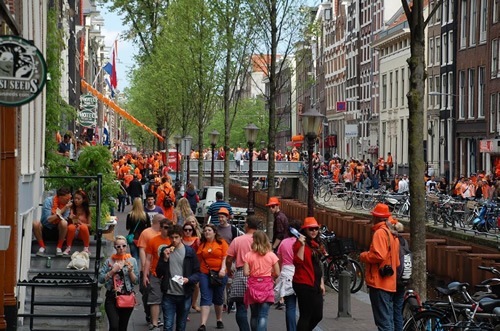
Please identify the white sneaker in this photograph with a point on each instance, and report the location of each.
(59, 251)
(41, 251)
(67, 250)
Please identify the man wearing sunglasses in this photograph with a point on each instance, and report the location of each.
(150, 280)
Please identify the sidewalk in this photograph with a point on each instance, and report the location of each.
(362, 318)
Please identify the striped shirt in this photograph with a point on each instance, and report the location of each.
(214, 209)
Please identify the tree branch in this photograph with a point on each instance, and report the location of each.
(407, 9)
(434, 10)
(136, 27)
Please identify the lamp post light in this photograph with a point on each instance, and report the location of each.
(311, 123)
(251, 131)
(214, 136)
(187, 145)
(177, 142)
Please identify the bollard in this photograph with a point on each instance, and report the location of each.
(344, 294)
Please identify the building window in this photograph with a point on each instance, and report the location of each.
(463, 24)
(450, 89)
(431, 89)
(494, 113)
(494, 57)
(384, 92)
(450, 47)
(403, 79)
(396, 88)
(438, 50)
(461, 95)
(470, 101)
(390, 90)
(480, 92)
(444, 56)
(444, 7)
(496, 11)
(444, 88)
(483, 21)
(431, 51)
(473, 23)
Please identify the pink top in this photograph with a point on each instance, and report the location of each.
(260, 266)
(239, 247)
(285, 251)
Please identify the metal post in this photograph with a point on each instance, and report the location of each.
(344, 294)
(187, 169)
(250, 208)
(177, 162)
(213, 163)
(310, 179)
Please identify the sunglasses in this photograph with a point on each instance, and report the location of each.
(120, 246)
(313, 229)
(188, 230)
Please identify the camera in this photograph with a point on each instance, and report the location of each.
(386, 271)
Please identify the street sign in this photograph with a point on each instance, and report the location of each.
(23, 71)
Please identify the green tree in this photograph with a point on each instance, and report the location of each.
(417, 23)
(277, 33)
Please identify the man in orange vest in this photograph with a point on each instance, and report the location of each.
(390, 164)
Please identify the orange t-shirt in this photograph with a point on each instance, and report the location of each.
(154, 247)
(212, 254)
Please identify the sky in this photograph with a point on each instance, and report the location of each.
(113, 27)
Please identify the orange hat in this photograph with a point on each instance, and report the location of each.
(273, 201)
(392, 220)
(224, 211)
(310, 222)
(381, 210)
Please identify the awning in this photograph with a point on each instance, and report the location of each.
(118, 110)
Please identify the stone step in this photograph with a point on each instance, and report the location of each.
(63, 323)
(61, 292)
(50, 247)
(57, 263)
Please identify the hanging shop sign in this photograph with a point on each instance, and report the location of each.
(23, 71)
(87, 116)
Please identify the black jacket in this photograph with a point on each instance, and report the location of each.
(190, 270)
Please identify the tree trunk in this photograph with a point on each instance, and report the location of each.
(416, 149)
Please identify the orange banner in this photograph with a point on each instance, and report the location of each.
(117, 109)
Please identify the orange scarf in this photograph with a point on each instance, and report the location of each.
(118, 257)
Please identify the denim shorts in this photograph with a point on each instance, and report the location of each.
(211, 294)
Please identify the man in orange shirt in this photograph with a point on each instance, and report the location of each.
(150, 281)
(390, 164)
(162, 192)
(142, 242)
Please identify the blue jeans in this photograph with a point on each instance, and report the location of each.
(382, 307)
(242, 316)
(258, 319)
(211, 295)
(397, 303)
(291, 312)
(175, 307)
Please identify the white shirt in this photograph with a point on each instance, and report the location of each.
(403, 186)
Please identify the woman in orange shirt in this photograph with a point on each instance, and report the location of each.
(212, 255)
(79, 222)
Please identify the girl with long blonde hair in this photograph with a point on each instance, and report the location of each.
(182, 211)
(261, 265)
(137, 221)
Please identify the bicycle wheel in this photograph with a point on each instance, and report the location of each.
(368, 203)
(328, 194)
(358, 280)
(427, 320)
(348, 203)
(333, 272)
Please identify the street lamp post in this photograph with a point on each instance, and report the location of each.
(311, 122)
(177, 142)
(251, 131)
(214, 136)
(187, 146)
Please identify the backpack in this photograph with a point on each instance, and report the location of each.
(167, 201)
(405, 263)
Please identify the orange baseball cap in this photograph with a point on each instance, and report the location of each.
(224, 211)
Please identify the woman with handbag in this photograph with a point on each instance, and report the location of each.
(79, 222)
(119, 274)
(137, 221)
(260, 265)
(308, 282)
(212, 256)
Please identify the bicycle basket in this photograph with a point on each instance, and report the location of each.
(341, 246)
